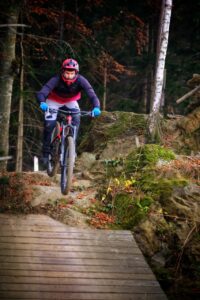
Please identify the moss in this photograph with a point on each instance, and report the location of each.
(147, 155)
(160, 188)
(126, 122)
(130, 211)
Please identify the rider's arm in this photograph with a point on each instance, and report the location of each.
(47, 88)
(86, 86)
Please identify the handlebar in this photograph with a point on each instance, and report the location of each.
(68, 112)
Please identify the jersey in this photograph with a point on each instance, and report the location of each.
(57, 90)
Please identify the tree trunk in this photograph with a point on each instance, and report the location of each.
(104, 88)
(158, 84)
(19, 156)
(6, 81)
(145, 93)
(62, 20)
(145, 97)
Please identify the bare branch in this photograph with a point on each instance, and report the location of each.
(14, 25)
(188, 94)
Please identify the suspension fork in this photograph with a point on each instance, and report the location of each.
(74, 131)
(62, 148)
(65, 130)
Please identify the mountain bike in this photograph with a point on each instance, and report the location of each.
(63, 147)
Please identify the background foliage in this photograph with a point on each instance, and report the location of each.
(120, 36)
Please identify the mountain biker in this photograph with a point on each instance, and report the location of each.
(63, 91)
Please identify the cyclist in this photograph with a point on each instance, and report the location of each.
(63, 91)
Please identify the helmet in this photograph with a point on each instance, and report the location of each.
(70, 63)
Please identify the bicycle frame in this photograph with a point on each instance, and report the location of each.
(64, 144)
(66, 127)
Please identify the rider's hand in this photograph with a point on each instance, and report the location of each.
(96, 112)
(43, 106)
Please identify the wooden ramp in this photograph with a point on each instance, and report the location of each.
(41, 258)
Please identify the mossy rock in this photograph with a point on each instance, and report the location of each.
(125, 123)
(109, 126)
(160, 188)
(147, 155)
(130, 211)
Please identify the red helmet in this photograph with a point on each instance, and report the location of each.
(70, 63)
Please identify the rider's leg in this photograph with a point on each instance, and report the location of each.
(48, 128)
(49, 124)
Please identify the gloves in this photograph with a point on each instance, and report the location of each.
(96, 112)
(43, 106)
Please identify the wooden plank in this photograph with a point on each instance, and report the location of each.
(72, 268)
(69, 235)
(80, 248)
(41, 258)
(78, 288)
(78, 296)
(64, 241)
(77, 280)
(60, 228)
(55, 274)
(68, 254)
(135, 261)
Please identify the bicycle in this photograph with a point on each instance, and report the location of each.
(63, 147)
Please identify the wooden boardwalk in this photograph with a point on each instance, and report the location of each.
(41, 258)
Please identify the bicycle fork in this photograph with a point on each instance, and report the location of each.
(64, 133)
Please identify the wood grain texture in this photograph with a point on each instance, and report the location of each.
(41, 258)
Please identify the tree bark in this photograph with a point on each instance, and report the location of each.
(62, 20)
(104, 88)
(6, 82)
(19, 156)
(158, 84)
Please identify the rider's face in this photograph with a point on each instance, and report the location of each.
(69, 74)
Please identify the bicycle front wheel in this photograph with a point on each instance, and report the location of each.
(53, 161)
(68, 165)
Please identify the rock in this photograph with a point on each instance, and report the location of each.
(184, 203)
(147, 238)
(43, 194)
(87, 175)
(85, 162)
(158, 259)
(75, 218)
(82, 184)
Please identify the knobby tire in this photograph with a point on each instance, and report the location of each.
(53, 161)
(68, 165)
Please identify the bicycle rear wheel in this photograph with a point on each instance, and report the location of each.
(53, 161)
(68, 165)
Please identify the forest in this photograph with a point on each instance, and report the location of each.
(128, 179)
(115, 45)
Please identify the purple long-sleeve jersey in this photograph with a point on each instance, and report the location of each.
(57, 90)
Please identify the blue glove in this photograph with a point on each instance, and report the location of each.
(96, 112)
(43, 106)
